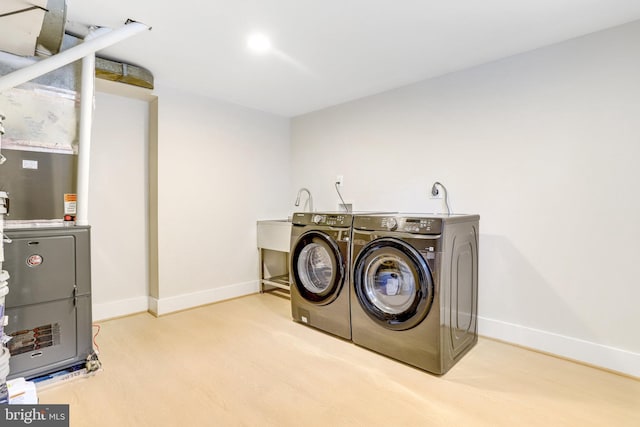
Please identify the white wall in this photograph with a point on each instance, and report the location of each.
(220, 168)
(118, 206)
(545, 147)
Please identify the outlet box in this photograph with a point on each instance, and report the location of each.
(340, 180)
(346, 207)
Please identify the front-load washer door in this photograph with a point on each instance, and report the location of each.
(393, 283)
(318, 267)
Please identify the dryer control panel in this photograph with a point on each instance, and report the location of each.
(422, 225)
(415, 225)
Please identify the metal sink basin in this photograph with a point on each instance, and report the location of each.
(274, 234)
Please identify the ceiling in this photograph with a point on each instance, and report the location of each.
(331, 51)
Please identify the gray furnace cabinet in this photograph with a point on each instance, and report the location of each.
(49, 300)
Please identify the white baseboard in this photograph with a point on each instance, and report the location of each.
(181, 302)
(109, 310)
(600, 355)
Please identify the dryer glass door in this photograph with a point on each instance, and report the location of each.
(318, 267)
(393, 283)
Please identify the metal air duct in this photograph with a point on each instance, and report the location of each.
(124, 73)
(52, 31)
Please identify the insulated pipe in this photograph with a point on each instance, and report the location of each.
(84, 153)
(87, 94)
(70, 55)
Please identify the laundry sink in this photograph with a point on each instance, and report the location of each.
(274, 234)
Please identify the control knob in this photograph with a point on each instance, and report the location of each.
(392, 224)
(317, 219)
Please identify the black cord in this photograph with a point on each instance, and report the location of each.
(434, 192)
(15, 12)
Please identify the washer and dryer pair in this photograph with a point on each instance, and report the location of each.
(403, 285)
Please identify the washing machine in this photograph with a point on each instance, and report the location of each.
(319, 271)
(414, 287)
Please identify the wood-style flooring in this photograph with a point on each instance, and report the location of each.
(244, 362)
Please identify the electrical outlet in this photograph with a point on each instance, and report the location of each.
(439, 194)
(340, 180)
(437, 191)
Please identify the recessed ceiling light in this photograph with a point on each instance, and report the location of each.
(258, 43)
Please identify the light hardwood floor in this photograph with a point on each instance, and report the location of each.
(243, 362)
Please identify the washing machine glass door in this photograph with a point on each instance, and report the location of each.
(318, 267)
(393, 283)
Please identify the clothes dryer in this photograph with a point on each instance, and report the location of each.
(414, 287)
(319, 271)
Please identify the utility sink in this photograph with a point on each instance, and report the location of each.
(274, 234)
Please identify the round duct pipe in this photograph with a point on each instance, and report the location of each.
(50, 39)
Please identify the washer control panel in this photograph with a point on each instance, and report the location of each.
(336, 219)
(330, 219)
